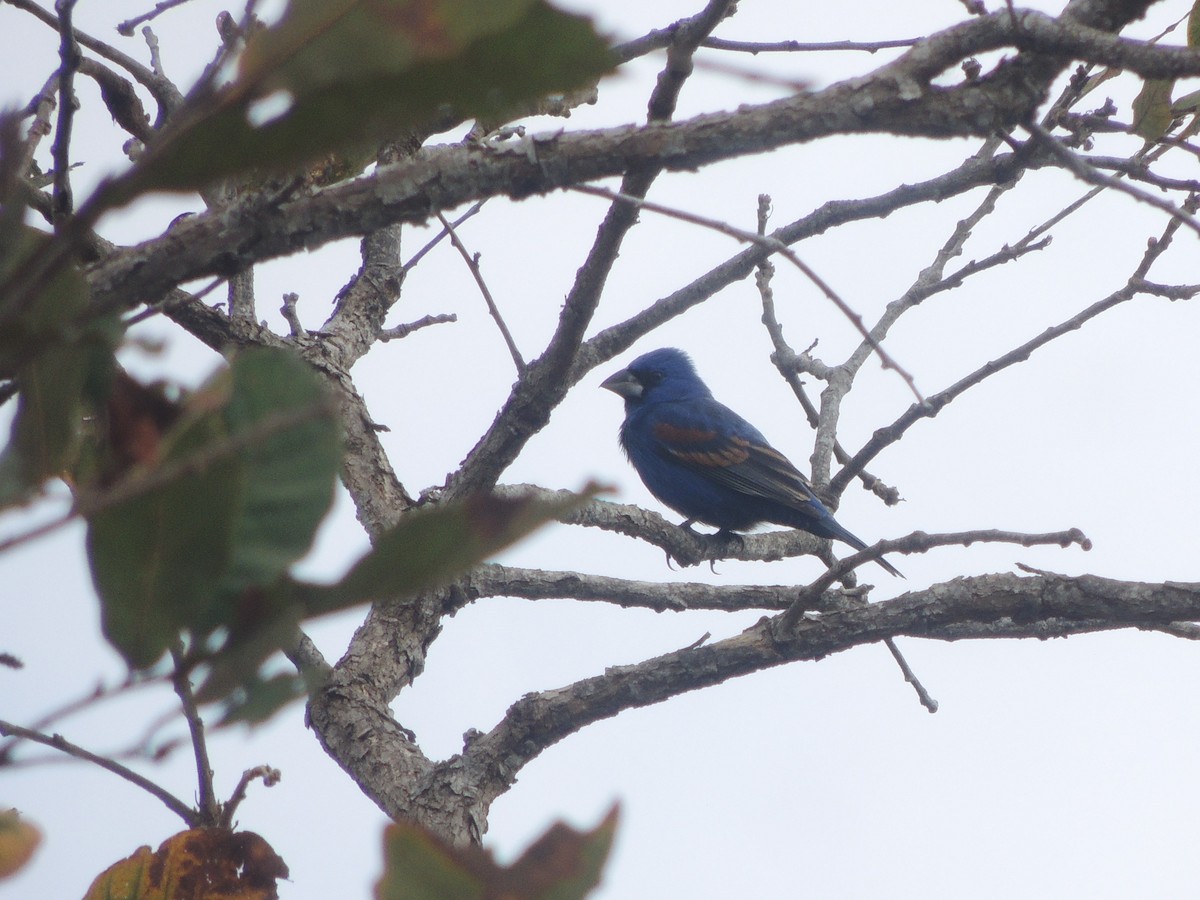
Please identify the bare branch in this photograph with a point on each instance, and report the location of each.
(775, 246)
(986, 606)
(920, 542)
(126, 28)
(684, 596)
(923, 695)
(270, 777)
(164, 92)
(209, 809)
(240, 288)
(58, 742)
(417, 257)
(446, 177)
(757, 47)
(403, 331)
(545, 382)
(69, 55)
(884, 437)
(1087, 172)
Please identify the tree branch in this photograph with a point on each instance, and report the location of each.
(58, 742)
(989, 606)
(884, 437)
(544, 383)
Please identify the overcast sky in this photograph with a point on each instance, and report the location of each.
(1062, 768)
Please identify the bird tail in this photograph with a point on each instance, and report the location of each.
(859, 544)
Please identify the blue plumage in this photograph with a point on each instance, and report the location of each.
(705, 461)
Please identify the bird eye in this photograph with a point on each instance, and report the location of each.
(651, 378)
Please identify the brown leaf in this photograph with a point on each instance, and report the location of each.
(201, 864)
(138, 417)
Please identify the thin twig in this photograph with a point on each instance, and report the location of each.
(884, 437)
(525, 411)
(784, 350)
(403, 331)
(231, 35)
(770, 243)
(41, 107)
(126, 27)
(1085, 171)
(164, 92)
(756, 47)
(923, 695)
(920, 542)
(154, 309)
(437, 239)
(155, 50)
(209, 809)
(69, 55)
(97, 694)
(753, 76)
(270, 777)
(58, 742)
(788, 363)
(472, 262)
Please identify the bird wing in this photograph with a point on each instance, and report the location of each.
(733, 453)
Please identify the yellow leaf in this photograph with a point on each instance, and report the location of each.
(18, 840)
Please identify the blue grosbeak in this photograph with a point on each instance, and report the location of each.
(702, 459)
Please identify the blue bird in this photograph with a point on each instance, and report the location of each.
(705, 461)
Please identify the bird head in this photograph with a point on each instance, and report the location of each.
(666, 374)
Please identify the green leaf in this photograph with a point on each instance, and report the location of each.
(352, 73)
(433, 546)
(1193, 29)
(197, 540)
(1152, 114)
(563, 864)
(306, 51)
(157, 558)
(290, 473)
(54, 350)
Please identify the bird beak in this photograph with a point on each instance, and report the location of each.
(623, 384)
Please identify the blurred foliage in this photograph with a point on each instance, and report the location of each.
(57, 355)
(1152, 113)
(338, 76)
(1153, 109)
(231, 497)
(197, 508)
(563, 864)
(18, 841)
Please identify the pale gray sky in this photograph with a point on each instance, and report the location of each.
(1052, 769)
